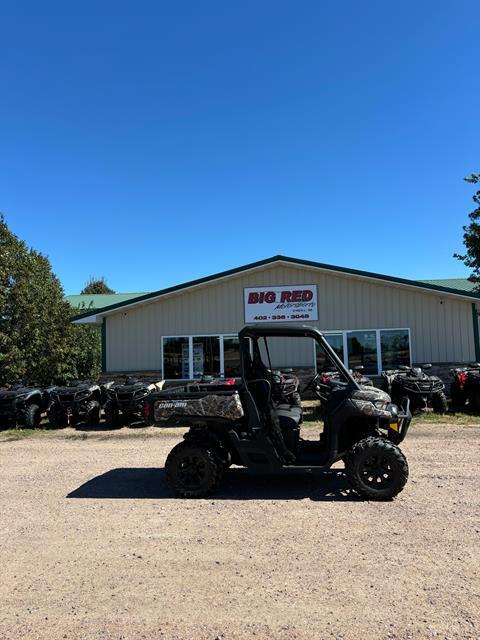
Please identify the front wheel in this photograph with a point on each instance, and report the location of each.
(457, 396)
(193, 470)
(376, 469)
(112, 414)
(474, 401)
(33, 416)
(93, 413)
(439, 402)
(57, 418)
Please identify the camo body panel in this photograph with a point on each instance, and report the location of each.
(365, 398)
(214, 406)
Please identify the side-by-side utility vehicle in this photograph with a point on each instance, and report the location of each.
(253, 423)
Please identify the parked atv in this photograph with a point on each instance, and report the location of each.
(357, 373)
(465, 387)
(127, 400)
(413, 383)
(20, 404)
(75, 402)
(243, 424)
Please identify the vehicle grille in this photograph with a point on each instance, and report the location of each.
(67, 397)
(124, 397)
(426, 386)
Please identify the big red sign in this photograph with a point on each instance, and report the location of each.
(291, 303)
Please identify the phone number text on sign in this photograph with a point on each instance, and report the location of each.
(281, 304)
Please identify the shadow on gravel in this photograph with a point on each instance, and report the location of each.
(103, 426)
(237, 484)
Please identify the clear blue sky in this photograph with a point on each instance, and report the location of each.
(155, 142)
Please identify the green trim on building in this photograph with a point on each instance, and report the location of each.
(476, 338)
(104, 345)
(280, 258)
(461, 284)
(90, 302)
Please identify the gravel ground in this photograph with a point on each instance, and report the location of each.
(94, 546)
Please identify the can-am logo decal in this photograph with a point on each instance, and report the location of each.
(281, 304)
(178, 404)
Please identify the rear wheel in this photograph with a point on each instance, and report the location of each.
(112, 415)
(376, 469)
(33, 416)
(439, 402)
(193, 470)
(93, 413)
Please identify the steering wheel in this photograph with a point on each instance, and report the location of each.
(312, 382)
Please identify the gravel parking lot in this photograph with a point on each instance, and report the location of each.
(94, 546)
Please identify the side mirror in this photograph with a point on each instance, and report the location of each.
(426, 366)
(360, 368)
(403, 367)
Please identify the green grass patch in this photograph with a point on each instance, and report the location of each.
(9, 435)
(448, 418)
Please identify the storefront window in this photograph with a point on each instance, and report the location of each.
(362, 351)
(206, 356)
(395, 348)
(335, 340)
(176, 358)
(231, 356)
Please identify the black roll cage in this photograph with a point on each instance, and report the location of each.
(254, 332)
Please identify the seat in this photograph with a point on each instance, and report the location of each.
(289, 418)
(287, 413)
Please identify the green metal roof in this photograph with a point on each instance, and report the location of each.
(461, 284)
(423, 284)
(90, 302)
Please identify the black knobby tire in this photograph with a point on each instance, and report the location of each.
(439, 402)
(376, 469)
(193, 470)
(457, 396)
(33, 416)
(57, 418)
(112, 414)
(93, 413)
(474, 402)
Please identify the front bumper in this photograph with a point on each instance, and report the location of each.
(400, 423)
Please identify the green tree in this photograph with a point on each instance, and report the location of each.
(87, 351)
(36, 337)
(96, 285)
(87, 347)
(471, 235)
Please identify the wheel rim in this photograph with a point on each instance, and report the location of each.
(377, 471)
(192, 471)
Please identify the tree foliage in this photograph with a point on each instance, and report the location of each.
(96, 285)
(38, 343)
(471, 234)
(35, 336)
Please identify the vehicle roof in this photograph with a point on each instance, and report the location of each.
(301, 330)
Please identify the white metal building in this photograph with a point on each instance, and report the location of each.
(371, 319)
